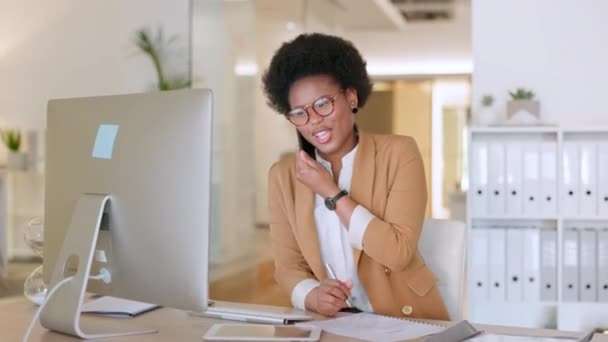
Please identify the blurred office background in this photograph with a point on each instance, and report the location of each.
(432, 61)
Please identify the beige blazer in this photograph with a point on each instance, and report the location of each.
(388, 179)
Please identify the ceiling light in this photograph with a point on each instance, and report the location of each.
(290, 26)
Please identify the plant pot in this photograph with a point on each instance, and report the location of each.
(487, 116)
(525, 107)
(17, 161)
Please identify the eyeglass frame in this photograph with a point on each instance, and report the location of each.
(332, 100)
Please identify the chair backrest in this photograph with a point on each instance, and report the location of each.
(442, 245)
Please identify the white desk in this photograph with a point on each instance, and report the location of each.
(173, 325)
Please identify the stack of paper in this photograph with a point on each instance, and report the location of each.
(370, 327)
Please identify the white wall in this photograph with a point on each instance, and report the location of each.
(214, 57)
(68, 48)
(420, 48)
(274, 135)
(558, 49)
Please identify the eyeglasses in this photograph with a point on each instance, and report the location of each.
(323, 106)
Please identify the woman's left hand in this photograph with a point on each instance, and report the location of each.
(312, 174)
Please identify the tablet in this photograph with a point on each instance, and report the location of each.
(259, 332)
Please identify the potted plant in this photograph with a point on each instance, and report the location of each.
(156, 47)
(523, 109)
(12, 140)
(487, 114)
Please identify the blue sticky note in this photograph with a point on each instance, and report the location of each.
(104, 142)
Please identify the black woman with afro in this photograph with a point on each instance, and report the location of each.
(346, 211)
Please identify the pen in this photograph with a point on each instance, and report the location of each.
(332, 275)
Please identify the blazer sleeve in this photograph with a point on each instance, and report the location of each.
(290, 266)
(393, 240)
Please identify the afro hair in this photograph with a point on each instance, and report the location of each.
(310, 55)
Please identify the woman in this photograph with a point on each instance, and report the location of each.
(350, 201)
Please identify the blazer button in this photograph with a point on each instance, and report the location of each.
(407, 310)
(387, 271)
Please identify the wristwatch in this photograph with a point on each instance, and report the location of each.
(330, 202)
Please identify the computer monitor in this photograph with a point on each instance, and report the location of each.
(151, 154)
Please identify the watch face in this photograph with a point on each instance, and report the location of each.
(330, 204)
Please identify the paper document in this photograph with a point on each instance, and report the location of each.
(370, 327)
(116, 307)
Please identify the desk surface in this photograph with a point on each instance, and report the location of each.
(174, 325)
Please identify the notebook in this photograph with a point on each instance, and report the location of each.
(372, 327)
(119, 307)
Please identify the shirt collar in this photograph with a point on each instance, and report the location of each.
(347, 161)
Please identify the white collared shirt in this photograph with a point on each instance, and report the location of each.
(336, 243)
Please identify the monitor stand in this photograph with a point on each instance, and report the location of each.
(61, 311)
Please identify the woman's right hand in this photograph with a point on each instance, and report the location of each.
(329, 297)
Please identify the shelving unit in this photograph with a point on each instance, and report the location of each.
(542, 202)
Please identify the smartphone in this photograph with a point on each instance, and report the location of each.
(306, 146)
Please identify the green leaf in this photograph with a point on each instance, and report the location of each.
(156, 47)
(11, 138)
(487, 100)
(522, 94)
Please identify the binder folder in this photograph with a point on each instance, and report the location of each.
(588, 188)
(531, 179)
(548, 179)
(548, 265)
(570, 179)
(479, 276)
(570, 267)
(588, 264)
(479, 178)
(497, 256)
(496, 179)
(514, 179)
(602, 182)
(602, 265)
(531, 255)
(515, 264)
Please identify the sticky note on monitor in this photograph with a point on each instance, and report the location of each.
(104, 141)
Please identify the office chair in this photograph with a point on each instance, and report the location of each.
(442, 245)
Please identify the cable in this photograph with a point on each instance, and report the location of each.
(37, 314)
(103, 275)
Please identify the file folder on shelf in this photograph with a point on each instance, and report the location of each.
(531, 252)
(479, 276)
(588, 265)
(602, 265)
(497, 256)
(570, 265)
(514, 179)
(496, 179)
(548, 240)
(602, 182)
(515, 263)
(570, 179)
(588, 206)
(479, 178)
(532, 196)
(548, 179)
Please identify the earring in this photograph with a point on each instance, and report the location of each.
(355, 110)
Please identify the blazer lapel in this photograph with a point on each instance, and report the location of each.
(307, 230)
(362, 183)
